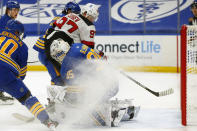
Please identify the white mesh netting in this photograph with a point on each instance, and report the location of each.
(191, 69)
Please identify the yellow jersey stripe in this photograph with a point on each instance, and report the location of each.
(39, 111)
(40, 46)
(39, 43)
(36, 109)
(36, 104)
(23, 74)
(24, 70)
(10, 62)
(25, 67)
(57, 72)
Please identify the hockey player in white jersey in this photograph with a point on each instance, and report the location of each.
(80, 27)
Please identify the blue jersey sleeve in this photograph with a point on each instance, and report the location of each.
(40, 43)
(22, 60)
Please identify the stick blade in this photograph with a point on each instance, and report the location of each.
(166, 92)
(23, 117)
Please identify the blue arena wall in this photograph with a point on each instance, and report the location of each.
(116, 16)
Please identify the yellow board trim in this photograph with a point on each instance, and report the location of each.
(36, 68)
(165, 69)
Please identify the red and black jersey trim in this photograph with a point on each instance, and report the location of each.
(88, 43)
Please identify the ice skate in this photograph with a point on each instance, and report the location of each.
(51, 124)
(6, 100)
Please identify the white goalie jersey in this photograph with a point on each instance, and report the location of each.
(79, 28)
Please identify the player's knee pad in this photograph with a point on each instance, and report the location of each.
(36, 108)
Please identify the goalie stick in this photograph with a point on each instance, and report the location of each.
(158, 94)
(23, 117)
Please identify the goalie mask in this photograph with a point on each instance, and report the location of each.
(59, 49)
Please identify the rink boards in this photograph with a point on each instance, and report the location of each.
(157, 53)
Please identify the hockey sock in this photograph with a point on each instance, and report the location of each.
(36, 108)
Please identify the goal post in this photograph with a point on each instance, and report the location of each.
(189, 75)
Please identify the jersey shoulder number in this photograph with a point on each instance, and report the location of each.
(70, 20)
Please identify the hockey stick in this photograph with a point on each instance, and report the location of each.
(158, 94)
(23, 117)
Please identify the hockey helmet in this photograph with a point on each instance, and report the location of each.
(194, 4)
(12, 4)
(91, 10)
(16, 26)
(74, 7)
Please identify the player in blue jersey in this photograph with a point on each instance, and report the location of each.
(13, 67)
(12, 10)
(70, 7)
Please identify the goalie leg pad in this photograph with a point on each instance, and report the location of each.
(131, 112)
(98, 118)
(116, 116)
(124, 109)
(56, 93)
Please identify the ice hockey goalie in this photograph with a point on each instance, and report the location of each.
(90, 86)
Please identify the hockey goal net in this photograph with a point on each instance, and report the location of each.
(189, 75)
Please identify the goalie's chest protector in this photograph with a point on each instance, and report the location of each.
(75, 57)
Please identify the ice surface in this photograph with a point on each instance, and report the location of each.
(157, 113)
